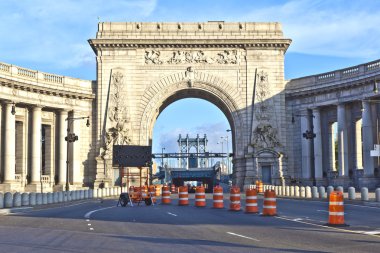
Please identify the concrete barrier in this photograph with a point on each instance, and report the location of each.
(302, 192)
(50, 198)
(351, 193)
(104, 192)
(16, 199)
(65, 196)
(25, 199)
(55, 197)
(340, 189)
(8, 200)
(330, 189)
(288, 190)
(44, 198)
(85, 194)
(308, 192)
(95, 191)
(81, 194)
(364, 193)
(314, 192)
(32, 199)
(38, 198)
(1, 200)
(322, 192)
(296, 191)
(90, 193)
(118, 190)
(291, 191)
(100, 193)
(60, 197)
(377, 195)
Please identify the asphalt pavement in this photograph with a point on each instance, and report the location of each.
(101, 226)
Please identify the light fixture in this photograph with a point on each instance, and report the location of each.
(88, 122)
(13, 110)
(375, 90)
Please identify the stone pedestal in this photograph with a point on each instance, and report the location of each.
(370, 182)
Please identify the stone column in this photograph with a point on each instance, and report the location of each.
(9, 144)
(318, 173)
(62, 147)
(367, 131)
(306, 148)
(342, 141)
(36, 145)
(358, 144)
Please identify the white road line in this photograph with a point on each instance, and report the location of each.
(317, 201)
(87, 220)
(172, 214)
(87, 215)
(335, 228)
(91, 228)
(377, 232)
(89, 224)
(243, 236)
(325, 211)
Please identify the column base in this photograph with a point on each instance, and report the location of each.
(11, 186)
(344, 181)
(371, 182)
(320, 181)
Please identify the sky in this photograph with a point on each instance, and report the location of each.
(51, 36)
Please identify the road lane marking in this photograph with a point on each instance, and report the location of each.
(372, 232)
(335, 228)
(172, 214)
(328, 211)
(91, 228)
(89, 224)
(317, 201)
(87, 215)
(243, 236)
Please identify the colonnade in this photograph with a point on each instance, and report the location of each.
(353, 145)
(32, 178)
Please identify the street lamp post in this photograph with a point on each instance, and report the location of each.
(71, 137)
(228, 154)
(162, 157)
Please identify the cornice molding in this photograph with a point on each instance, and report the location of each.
(44, 90)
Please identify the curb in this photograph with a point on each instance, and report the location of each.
(6, 211)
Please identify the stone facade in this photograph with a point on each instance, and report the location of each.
(144, 67)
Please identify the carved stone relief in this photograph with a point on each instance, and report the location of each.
(197, 57)
(264, 135)
(116, 131)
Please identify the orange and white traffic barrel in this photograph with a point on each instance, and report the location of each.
(269, 206)
(183, 196)
(251, 201)
(173, 189)
(217, 197)
(260, 187)
(165, 199)
(152, 192)
(235, 204)
(200, 196)
(158, 190)
(336, 209)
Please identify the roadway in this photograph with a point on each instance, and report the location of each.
(100, 226)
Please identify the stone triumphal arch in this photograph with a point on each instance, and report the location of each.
(143, 67)
(315, 130)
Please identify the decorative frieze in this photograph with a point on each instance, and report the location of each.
(193, 57)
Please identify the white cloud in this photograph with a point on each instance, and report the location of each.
(55, 33)
(335, 28)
